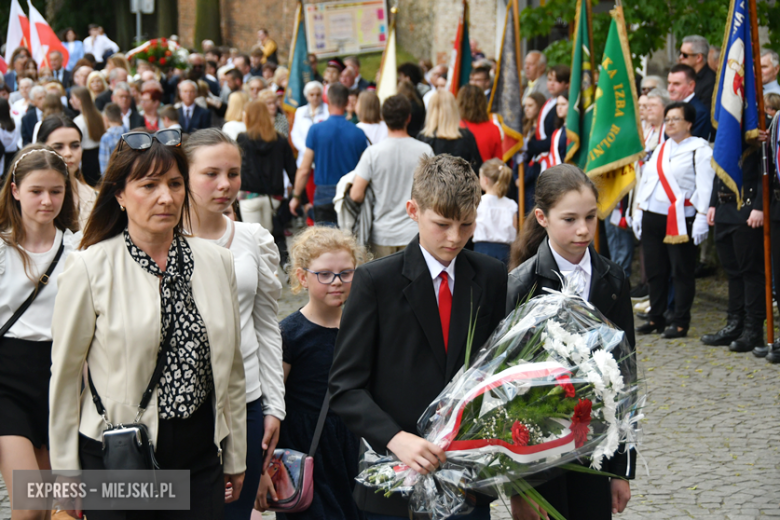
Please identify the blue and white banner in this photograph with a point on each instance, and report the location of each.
(734, 106)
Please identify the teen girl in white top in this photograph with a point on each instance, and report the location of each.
(215, 178)
(37, 216)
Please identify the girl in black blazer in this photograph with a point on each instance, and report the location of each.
(557, 238)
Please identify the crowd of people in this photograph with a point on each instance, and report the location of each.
(144, 219)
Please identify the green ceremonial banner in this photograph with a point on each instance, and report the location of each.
(580, 116)
(616, 140)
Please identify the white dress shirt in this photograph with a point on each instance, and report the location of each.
(436, 267)
(578, 274)
(772, 87)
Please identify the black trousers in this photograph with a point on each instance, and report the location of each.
(325, 214)
(181, 444)
(775, 231)
(741, 252)
(579, 496)
(663, 259)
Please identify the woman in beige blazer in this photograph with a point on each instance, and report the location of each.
(137, 276)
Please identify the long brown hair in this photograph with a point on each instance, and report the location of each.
(11, 226)
(551, 186)
(472, 104)
(107, 220)
(259, 124)
(95, 126)
(52, 105)
(528, 124)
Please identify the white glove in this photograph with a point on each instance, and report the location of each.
(636, 224)
(700, 229)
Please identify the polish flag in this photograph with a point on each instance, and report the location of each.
(18, 31)
(3, 66)
(43, 39)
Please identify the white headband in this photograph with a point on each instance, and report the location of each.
(13, 173)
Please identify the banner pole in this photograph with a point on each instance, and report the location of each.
(770, 325)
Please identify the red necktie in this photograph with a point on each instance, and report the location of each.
(445, 307)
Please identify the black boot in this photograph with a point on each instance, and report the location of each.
(727, 334)
(752, 336)
(773, 356)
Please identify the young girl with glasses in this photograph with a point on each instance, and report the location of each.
(323, 261)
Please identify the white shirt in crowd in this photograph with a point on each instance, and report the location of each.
(495, 218)
(389, 169)
(695, 183)
(98, 46)
(233, 128)
(16, 287)
(86, 142)
(375, 132)
(772, 87)
(577, 274)
(259, 289)
(435, 267)
(303, 121)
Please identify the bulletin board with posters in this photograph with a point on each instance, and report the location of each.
(338, 28)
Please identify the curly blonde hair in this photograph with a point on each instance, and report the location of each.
(316, 241)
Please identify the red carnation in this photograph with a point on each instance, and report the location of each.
(168, 53)
(154, 42)
(151, 59)
(565, 383)
(162, 61)
(520, 434)
(580, 422)
(164, 40)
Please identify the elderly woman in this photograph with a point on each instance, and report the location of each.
(141, 295)
(674, 197)
(96, 84)
(314, 111)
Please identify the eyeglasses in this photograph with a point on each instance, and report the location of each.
(327, 277)
(687, 55)
(646, 90)
(673, 120)
(144, 140)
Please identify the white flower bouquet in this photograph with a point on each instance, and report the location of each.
(555, 384)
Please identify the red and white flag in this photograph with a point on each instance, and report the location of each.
(43, 40)
(3, 66)
(18, 34)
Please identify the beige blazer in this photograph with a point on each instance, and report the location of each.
(107, 312)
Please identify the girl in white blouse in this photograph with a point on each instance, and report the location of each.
(37, 219)
(215, 179)
(496, 213)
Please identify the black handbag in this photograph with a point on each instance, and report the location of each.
(42, 282)
(129, 446)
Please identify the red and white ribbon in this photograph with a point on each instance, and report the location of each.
(676, 231)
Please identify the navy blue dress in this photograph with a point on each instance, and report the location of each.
(309, 349)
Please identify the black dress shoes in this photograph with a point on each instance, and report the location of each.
(673, 331)
(752, 336)
(761, 351)
(773, 356)
(650, 327)
(726, 335)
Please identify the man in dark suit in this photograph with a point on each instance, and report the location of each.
(694, 52)
(57, 70)
(682, 85)
(404, 329)
(34, 114)
(131, 119)
(353, 63)
(191, 116)
(198, 72)
(117, 75)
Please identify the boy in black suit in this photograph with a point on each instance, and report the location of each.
(404, 328)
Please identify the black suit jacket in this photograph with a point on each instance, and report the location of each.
(28, 125)
(201, 118)
(390, 361)
(103, 99)
(705, 85)
(609, 293)
(66, 78)
(136, 120)
(703, 125)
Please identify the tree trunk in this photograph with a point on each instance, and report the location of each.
(167, 17)
(207, 23)
(125, 24)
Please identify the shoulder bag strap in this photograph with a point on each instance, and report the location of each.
(43, 281)
(315, 441)
(158, 369)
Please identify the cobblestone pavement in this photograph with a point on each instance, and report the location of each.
(710, 436)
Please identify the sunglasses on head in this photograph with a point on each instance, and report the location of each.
(144, 140)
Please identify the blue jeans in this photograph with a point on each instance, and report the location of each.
(621, 246)
(494, 249)
(479, 513)
(241, 509)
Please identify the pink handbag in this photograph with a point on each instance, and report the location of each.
(292, 472)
